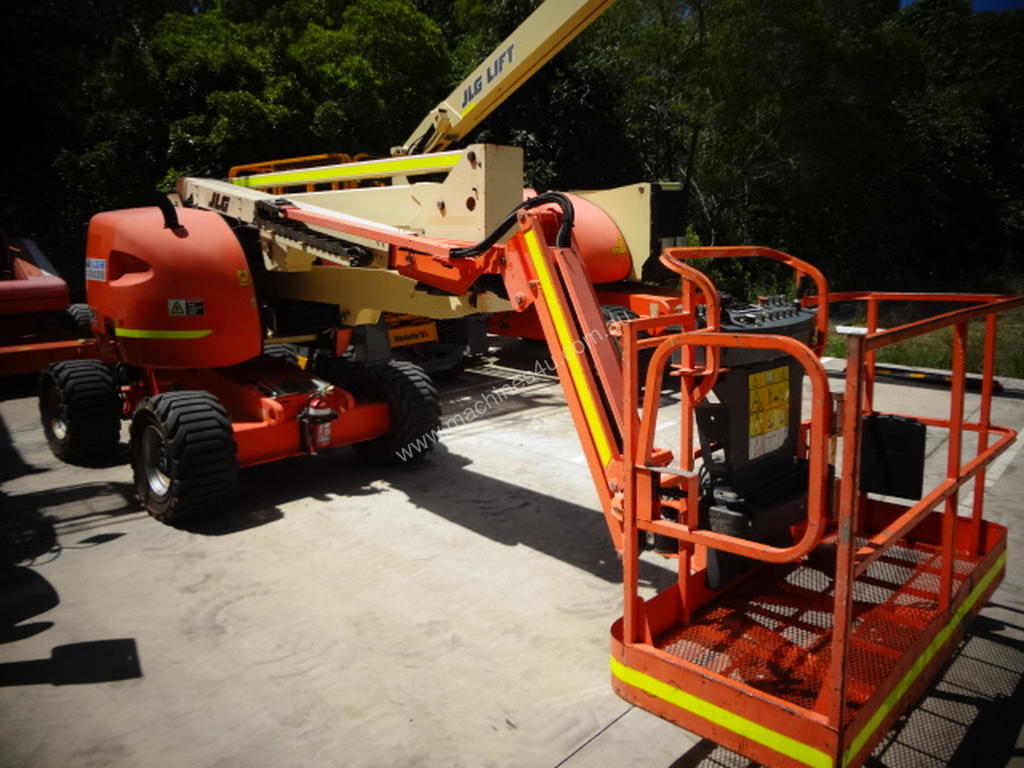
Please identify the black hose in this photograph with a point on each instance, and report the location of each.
(170, 213)
(564, 239)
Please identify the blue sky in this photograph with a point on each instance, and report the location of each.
(986, 5)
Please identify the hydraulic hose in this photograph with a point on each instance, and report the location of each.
(564, 239)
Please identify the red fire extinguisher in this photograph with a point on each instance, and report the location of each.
(316, 420)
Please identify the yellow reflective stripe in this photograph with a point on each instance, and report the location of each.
(140, 333)
(441, 161)
(748, 729)
(565, 340)
(468, 109)
(922, 661)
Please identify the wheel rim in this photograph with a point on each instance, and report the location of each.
(58, 424)
(155, 462)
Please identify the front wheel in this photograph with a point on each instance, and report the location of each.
(183, 455)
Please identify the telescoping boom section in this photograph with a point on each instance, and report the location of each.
(544, 33)
(823, 577)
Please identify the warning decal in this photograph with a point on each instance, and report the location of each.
(185, 307)
(96, 269)
(768, 392)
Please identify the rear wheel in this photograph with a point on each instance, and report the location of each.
(183, 455)
(80, 408)
(81, 317)
(614, 315)
(415, 413)
(290, 353)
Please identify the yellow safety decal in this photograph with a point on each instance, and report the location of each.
(139, 333)
(748, 729)
(565, 341)
(922, 661)
(768, 396)
(440, 161)
(468, 109)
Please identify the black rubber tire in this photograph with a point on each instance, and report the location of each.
(415, 413)
(80, 408)
(183, 455)
(615, 313)
(81, 319)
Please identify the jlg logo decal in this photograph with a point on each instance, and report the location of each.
(494, 68)
(220, 202)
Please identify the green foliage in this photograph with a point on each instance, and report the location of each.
(240, 82)
(883, 144)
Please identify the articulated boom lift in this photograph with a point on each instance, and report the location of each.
(821, 582)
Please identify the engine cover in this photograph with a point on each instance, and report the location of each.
(171, 298)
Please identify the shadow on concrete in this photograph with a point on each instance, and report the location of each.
(441, 485)
(970, 716)
(11, 463)
(707, 754)
(262, 489)
(14, 387)
(121, 495)
(237, 518)
(516, 516)
(25, 534)
(122, 455)
(95, 661)
(25, 594)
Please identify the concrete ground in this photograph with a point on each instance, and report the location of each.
(454, 614)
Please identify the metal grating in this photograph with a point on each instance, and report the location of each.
(774, 632)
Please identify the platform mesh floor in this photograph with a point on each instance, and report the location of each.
(774, 633)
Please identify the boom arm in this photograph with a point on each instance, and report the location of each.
(544, 33)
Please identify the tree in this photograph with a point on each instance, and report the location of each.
(242, 82)
(884, 144)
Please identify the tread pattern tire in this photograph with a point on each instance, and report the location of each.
(80, 408)
(81, 318)
(616, 313)
(183, 455)
(613, 314)
(415, 413)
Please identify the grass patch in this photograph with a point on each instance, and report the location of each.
(934, 349)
